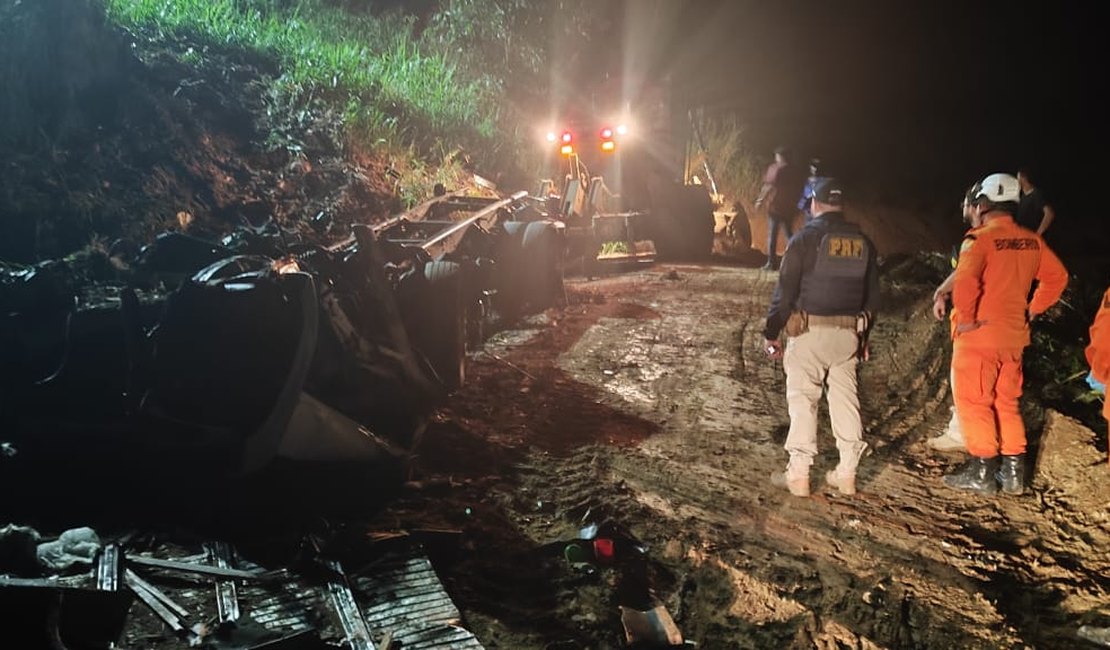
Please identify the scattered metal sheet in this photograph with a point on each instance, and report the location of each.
(227, 600)
(404, 597)
(108, 568)
(189, 567)
(133, 579)
(157, 602)
(395, 602)
(288, 609)
(343, 600)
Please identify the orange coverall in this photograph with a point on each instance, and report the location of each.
(1098, 351)
(998, 264)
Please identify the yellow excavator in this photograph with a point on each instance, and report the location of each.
(624, 183)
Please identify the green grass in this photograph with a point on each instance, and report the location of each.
(391, 91)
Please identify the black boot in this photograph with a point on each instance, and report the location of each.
(977, 475)
(1012, 474)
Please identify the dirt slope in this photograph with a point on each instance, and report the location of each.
(112, 136)
(647, 407)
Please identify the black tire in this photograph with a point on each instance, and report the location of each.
(508, 299)
(529, 267)
(447, 350)
(515, 229)
(436, 315)
(542, 252)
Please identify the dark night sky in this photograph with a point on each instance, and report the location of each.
(919, 98)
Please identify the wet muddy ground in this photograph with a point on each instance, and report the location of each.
(647, 408)
(611, 456)
(643, 411)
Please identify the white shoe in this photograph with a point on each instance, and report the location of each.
(846, 485)
(799, 487)
(945, 442)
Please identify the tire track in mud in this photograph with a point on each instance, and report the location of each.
(705, 472)
(676, 356)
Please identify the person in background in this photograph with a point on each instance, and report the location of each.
(1098, 355)
(1033, 211)
(990, 297)
(815, 177)
(782, 185)
(952, 439)
(826, 296)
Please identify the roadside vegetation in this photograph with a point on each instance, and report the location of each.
(453, 84)
(723, 147)
(393, 91)
(429, 87)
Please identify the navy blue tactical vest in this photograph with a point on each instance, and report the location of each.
(837, 283)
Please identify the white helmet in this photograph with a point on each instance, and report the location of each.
(998, 188)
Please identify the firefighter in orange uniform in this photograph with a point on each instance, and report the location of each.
(998, 264)
(1098, 354)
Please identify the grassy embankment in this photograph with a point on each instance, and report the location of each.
(398, 97)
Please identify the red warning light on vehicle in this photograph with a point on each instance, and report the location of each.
(608, 145)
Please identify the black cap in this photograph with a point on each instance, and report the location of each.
(829, 191)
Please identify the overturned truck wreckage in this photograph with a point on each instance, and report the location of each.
(228, 355)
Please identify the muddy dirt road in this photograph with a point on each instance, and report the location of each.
(611, 457)
(647, 408)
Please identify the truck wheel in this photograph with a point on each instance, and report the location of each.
(529, 262)
(541, 250)
(509, 299)
(435, 313)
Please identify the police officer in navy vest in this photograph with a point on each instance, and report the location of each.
(827, 293)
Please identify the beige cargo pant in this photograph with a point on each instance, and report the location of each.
(823, 355)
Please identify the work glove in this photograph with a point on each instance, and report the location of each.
(1095, 384)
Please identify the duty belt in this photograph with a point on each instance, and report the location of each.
(838, 322)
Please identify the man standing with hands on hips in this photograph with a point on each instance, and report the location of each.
(998, 265)
(825, 300)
